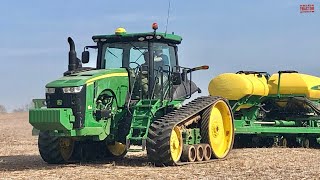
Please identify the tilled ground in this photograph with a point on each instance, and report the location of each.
(19, 159)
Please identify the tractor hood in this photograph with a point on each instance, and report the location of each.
(86, 77)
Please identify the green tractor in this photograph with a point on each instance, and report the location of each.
(134, 97)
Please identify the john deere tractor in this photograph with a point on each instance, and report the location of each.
(134, 97)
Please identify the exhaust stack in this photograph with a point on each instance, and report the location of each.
(72, 56)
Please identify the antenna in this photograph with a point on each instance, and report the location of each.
(168, 17)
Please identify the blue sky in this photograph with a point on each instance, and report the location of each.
(266, 35)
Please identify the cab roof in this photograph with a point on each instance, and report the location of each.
(124, 37)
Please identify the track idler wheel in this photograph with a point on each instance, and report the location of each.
(164, 143)
(176, 144)
(116, 150)
(217, 128)
(189, 153)
(55, 150)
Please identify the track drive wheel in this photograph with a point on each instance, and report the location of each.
(55, 150)
(117, 150)
(217, 128)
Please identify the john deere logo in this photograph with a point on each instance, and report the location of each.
(59, 102)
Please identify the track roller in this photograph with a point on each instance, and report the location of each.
(199, 152)
(207, 152)
(189, 153)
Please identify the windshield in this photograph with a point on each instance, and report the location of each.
(116, 55)
(134, 54)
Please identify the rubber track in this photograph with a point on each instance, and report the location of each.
(158, 140)
(204, 125)
(49, 148)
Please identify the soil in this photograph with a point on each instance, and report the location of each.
(20, 159)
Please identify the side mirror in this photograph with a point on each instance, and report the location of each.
(176, 78)
(85, 57)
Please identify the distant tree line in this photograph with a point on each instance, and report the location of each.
(3, 109)
(23, 108)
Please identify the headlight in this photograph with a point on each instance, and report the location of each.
(50, 90)
(72, 89)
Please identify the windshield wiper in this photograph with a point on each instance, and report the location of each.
(139, 56)
(112, 54)
(135, 47)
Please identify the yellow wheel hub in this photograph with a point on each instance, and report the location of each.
(66, 147)
(117, 149)
(220, 129)
(176, 144)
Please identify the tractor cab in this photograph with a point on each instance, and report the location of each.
(150, 59)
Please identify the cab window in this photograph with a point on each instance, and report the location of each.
(123, 54)
(113, 57)
(137, 57)
(167, 55)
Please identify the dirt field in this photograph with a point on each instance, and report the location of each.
(19, 159)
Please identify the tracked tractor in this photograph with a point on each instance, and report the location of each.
(132, 100)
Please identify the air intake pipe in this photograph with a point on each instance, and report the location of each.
(73, 64)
